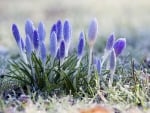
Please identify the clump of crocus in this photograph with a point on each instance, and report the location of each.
(108, 48)
(80, 49)
(92, 34)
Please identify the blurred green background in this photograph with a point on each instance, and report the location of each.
(127, 18)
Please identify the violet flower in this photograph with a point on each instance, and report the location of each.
(16, 33)
(28, 46)
(41, 31)
(22, 45)
(112, 66)
(53, 44)
(29, 29)
(36, 40)
(43, 52)
(67, 31)
(81, 45)
(119, 46)
(59, 30)
(110, 42)
(92, 32)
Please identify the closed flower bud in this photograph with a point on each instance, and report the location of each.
(112, 61)
(29, 28)
(92, 32)
(62, 50)
(43, 52)
(53, 44)
(41, 31)
(28, 46)
(110, 42)
(16, 33)
(119, 46)
(59, 29)
(67, 31)
(81, 45)
(36, 40)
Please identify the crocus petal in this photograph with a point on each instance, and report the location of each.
(58, 54)
(41, 31)
(112, 61)
(119, 46)
(53, 44)
(29, 28)
(28, 46)
(35, 40)
(81, 45)
(67, 31)
(92, 32)
(59, 30)
(16, 33)
(43, 52)
(110, 42)
(53, 29)
(62, 50)
(22, 44)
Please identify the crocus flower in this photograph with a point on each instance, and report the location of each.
(81, 45)
(53, 44)
(29, 28)
(110, 42)
(119, 46)
(28, 46)
(43, 52)
(67, 31)
(36, 40)
(112, 66)
(112, 61)
(16, 33)
(62, 49)
(59, 30)
(92, 32)
(41, 31)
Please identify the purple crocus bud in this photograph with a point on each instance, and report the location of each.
(92, 32)
(53, 29)
(67, 31)
(110, 42)
(29, 28)
(81, 45)
(62, 50)
(35, 40)
(43, 52)
(16, 33)
(59, 29)
(119, 46)
(28, 46)
(53, 44)
(112, 61)
(41, 31)
(98, 66)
